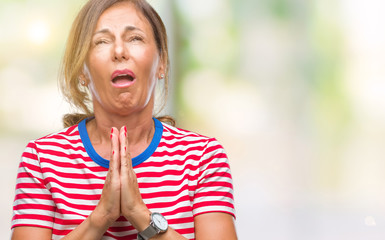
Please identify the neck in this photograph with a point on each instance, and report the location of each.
(137, 130)
(140, 130)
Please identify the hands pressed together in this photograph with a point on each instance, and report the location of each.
(120, 195)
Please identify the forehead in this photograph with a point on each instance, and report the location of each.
(120, 15)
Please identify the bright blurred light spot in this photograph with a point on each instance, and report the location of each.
(38, 32)
(370, 221)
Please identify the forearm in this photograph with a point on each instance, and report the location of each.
(170, 234)
(93, 227)
(142, 220)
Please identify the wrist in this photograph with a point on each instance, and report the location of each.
(100, 221)
(140, 219)
(158, 225)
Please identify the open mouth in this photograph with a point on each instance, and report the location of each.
(122, 78)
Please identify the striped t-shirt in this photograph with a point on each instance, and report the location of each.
(180, 175)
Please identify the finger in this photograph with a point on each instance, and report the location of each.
(125, 157)
(114, 159)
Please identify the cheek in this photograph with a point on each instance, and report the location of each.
(94, 74)
(147, 57)
(93, 90)
(99, 56)
(96, 63)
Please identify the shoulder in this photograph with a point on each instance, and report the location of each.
(65, 137)
(179, 133)
(174, 135)
(66, 133)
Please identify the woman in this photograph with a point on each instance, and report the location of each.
(116, 172)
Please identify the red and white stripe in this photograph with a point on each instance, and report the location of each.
(59, 185)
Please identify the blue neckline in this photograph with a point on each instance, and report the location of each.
(136, 160)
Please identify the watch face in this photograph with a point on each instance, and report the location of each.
(160, 221)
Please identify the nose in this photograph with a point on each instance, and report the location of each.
(120, 51)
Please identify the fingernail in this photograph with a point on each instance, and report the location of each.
(112, 131)
(113, 152)
(125, 131)
(125, 149)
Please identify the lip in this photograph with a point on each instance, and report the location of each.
(124, 84)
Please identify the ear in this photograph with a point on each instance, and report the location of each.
(161, 70)
(83, 80)
(84, 76)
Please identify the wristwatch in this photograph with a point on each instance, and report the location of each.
(158, 225)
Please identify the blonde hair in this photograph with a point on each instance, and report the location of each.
(78, 44)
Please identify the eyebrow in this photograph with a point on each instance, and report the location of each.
(126, 29)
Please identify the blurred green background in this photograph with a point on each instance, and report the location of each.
(294, 90)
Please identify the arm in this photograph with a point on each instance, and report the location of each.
(90, 228)
(215, 192)
(215, 225)
(95, 225)
(32, 233)
(208, 226)
(132, 205)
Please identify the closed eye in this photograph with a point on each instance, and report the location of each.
(135, 38)
(100, 41)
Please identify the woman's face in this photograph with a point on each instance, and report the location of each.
(123, 62)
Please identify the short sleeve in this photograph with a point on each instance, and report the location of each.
(33, 204)
(214, 190)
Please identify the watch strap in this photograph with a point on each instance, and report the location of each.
(140, 237)
(147, 233)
